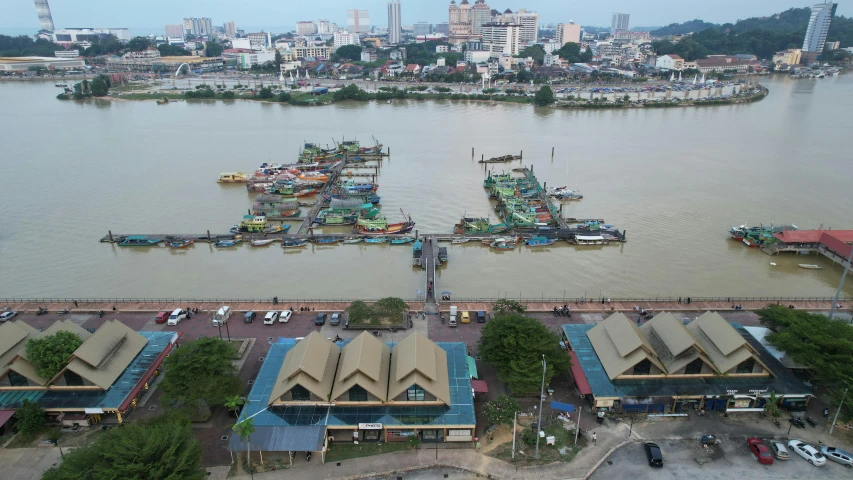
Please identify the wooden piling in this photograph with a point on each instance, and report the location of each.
(552, 152)
(208, 235)
(111, 235)
(521, 155)
(472, 152)
(483, 156)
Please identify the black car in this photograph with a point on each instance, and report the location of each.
(654, 454)
(249, 317)
(321, 319)
(481, 317)
(336, 319)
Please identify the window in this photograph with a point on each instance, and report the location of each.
(298, 392)
(415, 394)
(643, 368)
(694, 367)
(357, 394)
(17, 380)
(746, 366)
(72, 379)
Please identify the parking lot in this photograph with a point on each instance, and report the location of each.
(686, 459)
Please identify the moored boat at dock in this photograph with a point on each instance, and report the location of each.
(380, 226)
(227, 243)
(179, 243)
(376, 240)
(233, 177)
(809, 266)
(293, 243)
(251, 223)
(138, 241)
(351, 241)
(741, 232)
(402, 241)
(540, 242)
(263, 242)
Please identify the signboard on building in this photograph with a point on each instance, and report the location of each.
(370, 426)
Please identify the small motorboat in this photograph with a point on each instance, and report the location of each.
(402, 241)
(353, 240)
(810, 266)
(263, 242)
(376, 240)
(226, 243)
(540, 242)
(293, 243)
(505, 246)
(277, 229)
(460, 240)
(326, 240)
(180, 243)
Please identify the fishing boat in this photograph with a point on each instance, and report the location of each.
(380, 226)
(505, 246)
(226, 243)
(61, 85)
(739, 233)
(402, 241)
(540, 242)
(376, 240)
(460, 240)
(351, 241)
(251, 223)
(499, 228)
(277, 229)
(326, 240)
(264, 242)
(810, 266)
(293, 243)
(304, 193)
(472, 225)
(589, 240)
(233, 177)
(562, 193)
(180, 243)
(138, 241)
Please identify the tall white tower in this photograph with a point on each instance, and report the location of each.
(395, 30)
(45, 19)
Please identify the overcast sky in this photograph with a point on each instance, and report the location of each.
(277, 15)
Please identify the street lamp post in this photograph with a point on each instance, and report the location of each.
(541, 396)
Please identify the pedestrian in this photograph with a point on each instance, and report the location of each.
(638, 320)
(679, 299)
(594, 438)
(75, 303)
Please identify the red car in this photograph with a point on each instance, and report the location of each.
(760, 451)
(161, 317)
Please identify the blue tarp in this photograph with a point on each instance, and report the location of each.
(566, 407)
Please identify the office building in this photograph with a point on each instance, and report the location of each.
(319, 51)
(443, 28)
(259, 40)
(422, 28)
(230, 29)
(460, 18)
(45, 18)
(305, 28)
(198, 26)
(619, 22)
(67, 36)
(325, 27)
(345, 38)
(568, 33)
(395, 26)
(358, 21)
(173, 31)
(529, 22)
(481, 14)
(500, 38)
(815, 40)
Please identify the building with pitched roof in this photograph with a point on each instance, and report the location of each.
(730, 352)
(676, 348)
(100, 381)
(624, 349)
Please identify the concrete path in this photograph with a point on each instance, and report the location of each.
(27, 463)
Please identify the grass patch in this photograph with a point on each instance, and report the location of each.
(347, 451)
(563, 450)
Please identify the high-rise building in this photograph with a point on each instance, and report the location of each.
(529, 22)
(815, 40)
(500, 38)
(305, 28)
(395, 26)
(568, 33)
(230, 29)
(174, 31)
(481, 14)
(358, 21)
(45, 18)
(460, 18)
(620, 22)
(442, 28)
(198, 26)
(422, 28)
(345, 38)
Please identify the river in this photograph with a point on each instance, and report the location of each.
(675, 179)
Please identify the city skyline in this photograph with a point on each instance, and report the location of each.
(281, 17)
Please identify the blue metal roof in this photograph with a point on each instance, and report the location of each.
(460, 411)
(282, 439)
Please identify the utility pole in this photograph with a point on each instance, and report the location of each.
(840, 284)
(578, 424)
(514, 417)
(541, 396)
(834, 419)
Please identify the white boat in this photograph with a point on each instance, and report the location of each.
(261, 243)
(460, 240)
(353, 240)
(810, 266)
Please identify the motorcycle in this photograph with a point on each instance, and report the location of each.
(376, 333)
(307, 456)
(797, 421)
(41, 311)
(100, 314)
(811, 422)
(63, 311)
(776, 421)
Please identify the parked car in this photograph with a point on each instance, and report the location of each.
(837, 455)
(481, 317)
(760, 451)
(176, 316)
(285, 315)
(336, 319)
(161, 317)
(321, 319)
(465, 318)
(778, 449)
(811, 454)
(270, 318)
(10, 314)
(654, 454)
(249, 317)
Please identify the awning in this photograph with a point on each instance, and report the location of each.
(5, 415)
(472, 367)
(578, 375)
(480, 386)
(565, 407)
(294, 438)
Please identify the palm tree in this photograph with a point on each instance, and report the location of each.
(233, 403)
(245, 429)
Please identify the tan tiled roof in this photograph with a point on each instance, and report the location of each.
(104, 356)
(620, 345)
(418, 361)
(23, 366)
(311, 364)
(13, 339)
(365, 362)
(724, 346)
(673, 344)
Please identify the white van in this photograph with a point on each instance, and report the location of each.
(176, 316)
(452, 321)
(221, 316)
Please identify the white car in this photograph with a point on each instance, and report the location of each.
(270, 318)
(808, 452)
(284, 316)
(7, 315)
(176, 316)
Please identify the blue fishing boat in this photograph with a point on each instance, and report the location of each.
(138, 241)
(402, 241)
(326, 240)
(226, 243)
(293, 243)
(540, 242)
(376, 240)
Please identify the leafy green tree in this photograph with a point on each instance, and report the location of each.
(50, 354)
(99, 87)
(228, 95)
(544, 96)
(536, 51)
(160, 449)
(137, 44)
(348, 52)
(515, 344)
(30, 418)
(523, 76)
(213, 49)
(284, 97)
(505, 307)
(389, 307)
(167, 50)
(277, 60)
(198, 375)
(233, 404)
(811, 339)
(265, 93)
(350, 92)
(572, 53)
(501, 409)
(245, 429)
(23, 45)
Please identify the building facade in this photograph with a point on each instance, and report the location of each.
(358, 21)
(477, 56)
(620, 22)
(568, 33)
(45, 18)
(164, 64)
(319, 51)
(815, 39)
(198, 26)
(345, 38)
(726, 63)
(395, 26)
(305, 28)
(500, 38)
(174, 31)
(529, 23)
(792, 56)
(67, 36)
(230, 29)
(259, 39)
(670, 62)
(68, 53)
(22, 64)
(481, 14)
(460, 18)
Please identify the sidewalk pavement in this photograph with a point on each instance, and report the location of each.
(27, 463)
